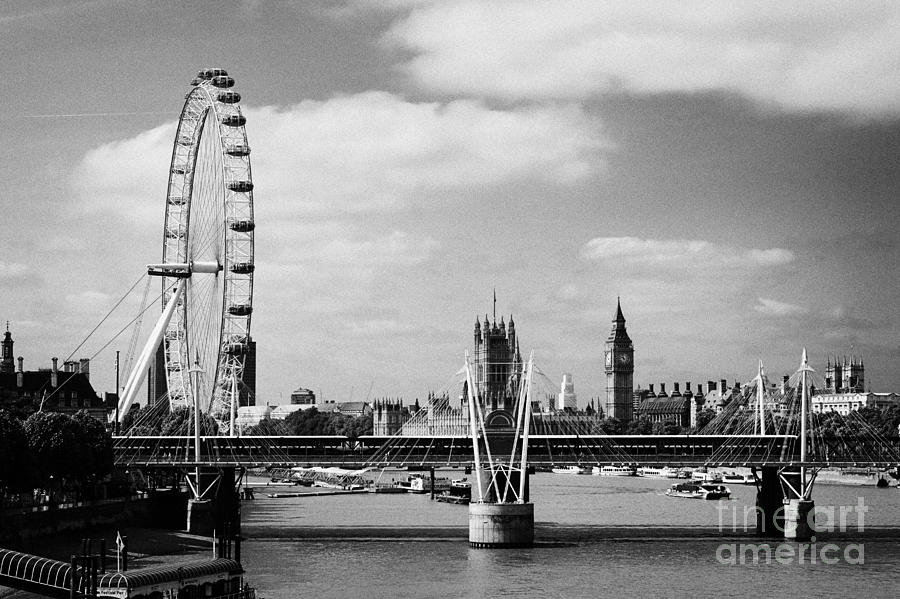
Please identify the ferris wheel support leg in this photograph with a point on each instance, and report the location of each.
(140, 368)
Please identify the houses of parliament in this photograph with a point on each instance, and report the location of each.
(497, 372)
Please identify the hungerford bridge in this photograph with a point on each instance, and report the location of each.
(776, 439)
(203, 335)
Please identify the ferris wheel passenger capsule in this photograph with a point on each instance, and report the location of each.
(234, 120)
(242, 268)
(240, 309)
(222, 81)
(237, 150)
(241, 225)
(228, 97)
(240, 186)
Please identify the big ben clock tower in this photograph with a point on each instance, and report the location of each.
(619, 354)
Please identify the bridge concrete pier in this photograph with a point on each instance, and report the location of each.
(200, 519)
(769, 503)
(501, 525)
(501, 522)
(215, 507)
(799, 511)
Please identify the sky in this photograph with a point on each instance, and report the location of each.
(727, 169)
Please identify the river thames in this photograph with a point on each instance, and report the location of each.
(596, 536)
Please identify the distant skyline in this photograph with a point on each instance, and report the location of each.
(727, 168)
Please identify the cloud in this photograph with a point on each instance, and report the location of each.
(338, 267)
(12, 270)
(365, 152)
(127, 178)
(378, 327)
(798, 55)
(89, 302)
(771, 307)
(680, 252)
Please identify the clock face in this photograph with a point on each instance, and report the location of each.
(624, 359)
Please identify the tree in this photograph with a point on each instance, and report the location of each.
(640, 426)
(14, 462)
(358, 426)
(57, 446)
(180, 421)
(612, 426)
(703, 418)
(269, 428)
(668, 427)
(98, 443)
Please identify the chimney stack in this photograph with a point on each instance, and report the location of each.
(710, 386)
(54, 374)
(20, 374)
(84, 367)
(724, 384)
(662, 390)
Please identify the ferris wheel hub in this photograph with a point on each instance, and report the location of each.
(183, 270)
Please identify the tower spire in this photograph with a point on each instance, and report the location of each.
(619, 316)
(495, 304)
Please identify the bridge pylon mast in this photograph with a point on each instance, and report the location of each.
(500, 514)
(799, 508)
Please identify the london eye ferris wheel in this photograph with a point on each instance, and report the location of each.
(207, 255)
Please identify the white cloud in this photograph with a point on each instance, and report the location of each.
(771, 307)
(680, 252)
(799, 55)
(370, 151)
(385, 326)
(95, 303)
(12, 270)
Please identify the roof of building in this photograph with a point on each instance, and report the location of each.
(36, 382)
(302, 391)
(145, 577)
(353, 406)
(284, 410)
(254, 411)
(663, 405)
(48, 574)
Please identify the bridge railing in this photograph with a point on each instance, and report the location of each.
(727, 450)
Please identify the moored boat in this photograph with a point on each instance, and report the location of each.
(419, 483)
(702, 475)
(699, 491)
(460, 493)
(569, 470)
(613, 471)
(738, 479)
(653, 472)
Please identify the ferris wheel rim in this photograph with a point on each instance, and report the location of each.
(210, 112)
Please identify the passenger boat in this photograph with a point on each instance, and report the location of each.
(613, 471)
(568, 470)
(665, 472)
(704, 476)
(738, 479)
(460, 493)
(420, 483)
(219, 578)
(699, 491)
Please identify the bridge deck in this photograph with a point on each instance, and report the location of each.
(544, 450)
